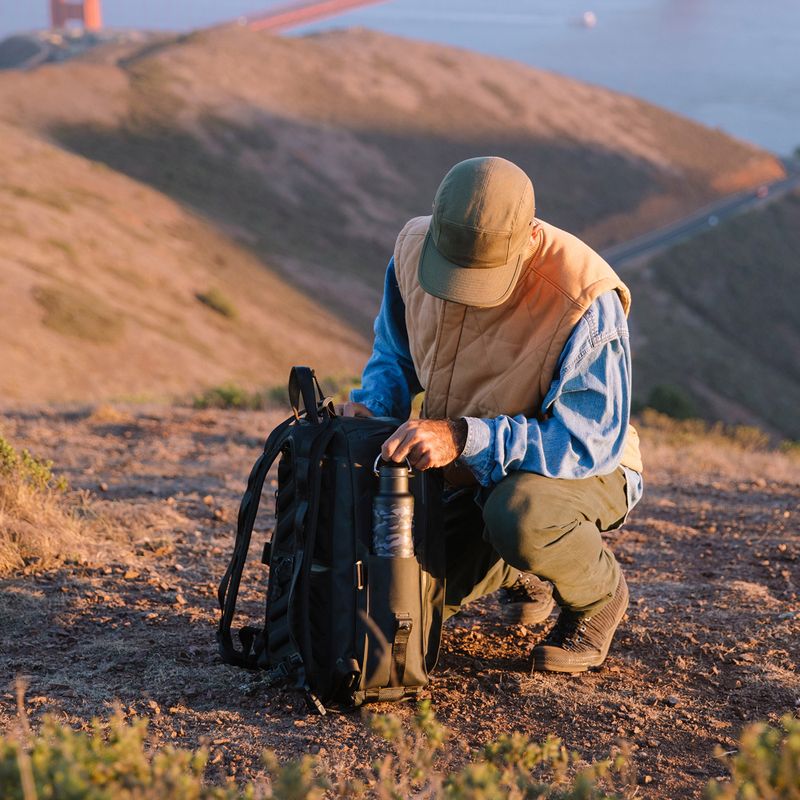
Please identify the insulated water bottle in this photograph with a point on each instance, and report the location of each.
(393, 512)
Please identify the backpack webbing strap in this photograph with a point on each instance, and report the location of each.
(248, 509)
(316, 455)
(303, 382)
(400, 645)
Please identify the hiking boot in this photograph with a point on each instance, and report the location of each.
(578, 641)
(528, 601)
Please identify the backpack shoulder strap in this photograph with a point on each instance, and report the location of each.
(248, 509)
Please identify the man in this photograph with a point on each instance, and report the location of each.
(516, 331)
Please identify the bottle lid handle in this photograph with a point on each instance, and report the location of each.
(392, 463)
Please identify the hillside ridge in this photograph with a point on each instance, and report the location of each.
(277, 171)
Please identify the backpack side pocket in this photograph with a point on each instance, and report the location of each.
(394, 655)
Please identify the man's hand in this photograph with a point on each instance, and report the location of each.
(353, 410)
(426, 443)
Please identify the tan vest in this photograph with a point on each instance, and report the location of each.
(482, 362)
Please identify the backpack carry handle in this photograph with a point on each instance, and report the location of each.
(303, 383)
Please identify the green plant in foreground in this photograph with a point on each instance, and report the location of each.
(104, 764)
(219, 302)
(766, 766)
(115, 762)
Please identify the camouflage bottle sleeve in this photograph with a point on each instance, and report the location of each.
(393, 512)
(393, 526)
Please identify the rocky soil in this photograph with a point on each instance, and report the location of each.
(711, 640)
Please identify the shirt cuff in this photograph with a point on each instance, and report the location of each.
(477, 452)
(376, 405)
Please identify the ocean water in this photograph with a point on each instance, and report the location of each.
(732, 64)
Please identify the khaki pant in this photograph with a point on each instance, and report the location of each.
(547, 526)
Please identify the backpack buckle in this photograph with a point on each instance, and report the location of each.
(283, 669)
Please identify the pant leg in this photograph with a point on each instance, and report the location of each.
(551, 527)
(473, 566)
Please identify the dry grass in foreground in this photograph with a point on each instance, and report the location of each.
(41, 522)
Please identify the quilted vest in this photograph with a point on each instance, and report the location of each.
(482, 362)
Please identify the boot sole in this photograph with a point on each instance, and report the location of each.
(548, 662)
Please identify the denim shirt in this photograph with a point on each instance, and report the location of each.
(587, 407)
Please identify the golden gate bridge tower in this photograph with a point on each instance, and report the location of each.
(86, 12)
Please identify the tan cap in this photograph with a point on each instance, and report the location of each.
(481, 225)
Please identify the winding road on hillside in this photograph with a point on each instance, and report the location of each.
(648, 244)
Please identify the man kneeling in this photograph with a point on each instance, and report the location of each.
(516, 331)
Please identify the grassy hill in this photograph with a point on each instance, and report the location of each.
(717, 319)
(269, 176)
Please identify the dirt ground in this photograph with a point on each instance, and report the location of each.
(711, 640)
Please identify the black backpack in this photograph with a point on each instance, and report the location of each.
(342, 624)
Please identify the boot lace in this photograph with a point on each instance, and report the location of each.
(569, 632)
(524, 590)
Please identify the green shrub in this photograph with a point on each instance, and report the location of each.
(24, 468)
(230, 395)
(104, 764)
(116, 761)
(672, 401)
(766, 766)
(219, 302)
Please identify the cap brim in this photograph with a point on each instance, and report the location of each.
(483, 288)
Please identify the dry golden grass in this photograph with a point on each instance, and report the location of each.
(716, 451)
(41, 522)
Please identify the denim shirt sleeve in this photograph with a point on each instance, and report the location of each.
(587, 409)
(389, 381)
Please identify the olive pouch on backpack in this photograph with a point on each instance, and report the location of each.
(342, 623)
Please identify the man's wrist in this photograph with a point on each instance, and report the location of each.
(459, 430)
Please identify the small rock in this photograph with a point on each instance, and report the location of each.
(647, 779)
(103, 486)
(672, 701)
(130, 575)
(180, 600)
(209, 499)
(155, 706)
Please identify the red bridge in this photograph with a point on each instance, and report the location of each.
(300, 13)
(87, 12)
